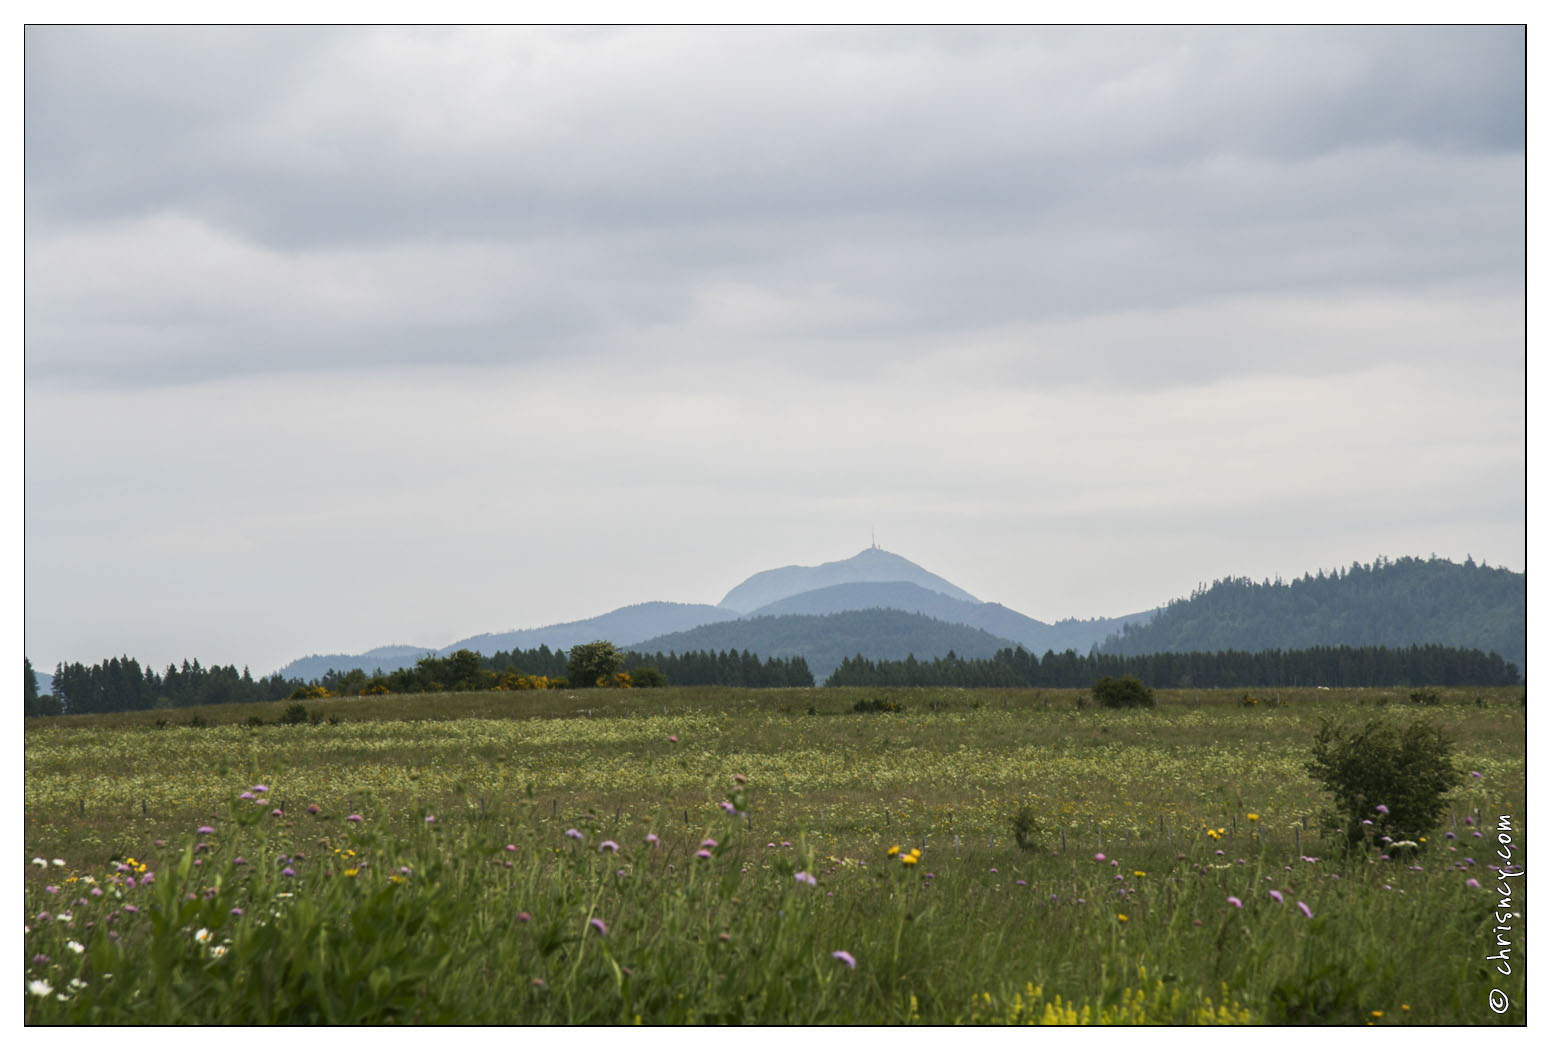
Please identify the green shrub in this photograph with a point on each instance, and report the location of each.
(294, 715)
(1386, 782)
(1129, 692)
(877, 704)
(1428, 697)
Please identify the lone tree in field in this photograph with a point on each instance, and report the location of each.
(1386, 783)
(591, 661)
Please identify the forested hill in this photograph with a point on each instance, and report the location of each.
(1400, 603)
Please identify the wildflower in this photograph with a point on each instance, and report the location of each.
(1276, 896)
(352, 873)
(237, 912)
(702, 853)
(1138, 872)
(75, 947)
(218, 952)
(728, 807)
(1022, 882)
(1235, 902)
(39, 987)
(807, 877)
(205, 830)
(1378, 1014)
(608, 844)
(673, 738)
(131, 908)
(910, 859)
(355, 819)
(260, 788)
(1475, 774)
(202, 936)
(573, 833)
(1308, 913)
(651, 837)
(430, 819)
(1381, 808)
(239, 860)
(288, 871)
(1474, 884)
(51, 889)
(246, 795)
(277, 812)
(39, 960)
(893, 850)
(845, 958)
(598, 925)
(523, 917)
(40, 862)
(1098, 857)
(313, 808)
(1254, 817)
(742, 779)
(1122, 917)
(708, 843)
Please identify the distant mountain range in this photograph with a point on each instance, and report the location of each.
(883, 606)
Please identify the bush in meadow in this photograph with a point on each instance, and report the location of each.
(1386, 782)
(1129, 692)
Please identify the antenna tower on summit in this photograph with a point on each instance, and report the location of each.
(875, 539)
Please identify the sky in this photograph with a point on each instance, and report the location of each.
(340, 338)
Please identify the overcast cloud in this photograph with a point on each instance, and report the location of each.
(340, 338)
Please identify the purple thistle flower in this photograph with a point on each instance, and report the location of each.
(511, 846)
(239, 860)
(236, 912)
(1235, 902)
(807, 877)
(313, 808)
(205, 830)
(246, 795)
(131, 908)
(1099, 857)
(651, 837)
(728, 807)
(1381, 808)
(51, 889)
(430, 819)
(1475, 774)
(845, 958)
(608, 844)
(702, 853)
(1474, 884)
(1276, 896)
(708, 843)
(288, 871)
(1308, 913)
(355, 819)
(277, 812)
(573, 833)
(598, 925)
(523, 917)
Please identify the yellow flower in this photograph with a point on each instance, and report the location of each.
(1405, 1007)
(908, 859)
(352, 872)
(915, 852)
(1138, 872)
(1378, 1014)
(1254, 817)
(893, 850)
(1122, 917)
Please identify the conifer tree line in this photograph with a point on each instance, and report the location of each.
(120, 684)
(1333, 666)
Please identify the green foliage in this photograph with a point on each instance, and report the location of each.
(877, 704)
(648, 676)
(294, 715)
(1026, 830)
(1406, 772)
(1129, 692)
(591, 661)
(1428, 697)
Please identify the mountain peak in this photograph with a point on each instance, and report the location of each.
(871, 565)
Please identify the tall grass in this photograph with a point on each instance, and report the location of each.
(487, 913)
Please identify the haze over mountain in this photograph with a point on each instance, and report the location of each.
(877, 602)
(873, 565)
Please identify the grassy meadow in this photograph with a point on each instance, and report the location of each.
(760, 856)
